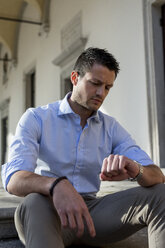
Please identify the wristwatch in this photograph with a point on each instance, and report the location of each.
(139, 175)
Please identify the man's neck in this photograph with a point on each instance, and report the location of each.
(81, 111)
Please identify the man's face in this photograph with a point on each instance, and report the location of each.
(90, 90)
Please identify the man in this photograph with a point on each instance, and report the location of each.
(77, 145)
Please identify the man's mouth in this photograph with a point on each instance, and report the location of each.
(96, 100)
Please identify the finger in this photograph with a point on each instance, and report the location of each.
(109, 162)
(103, 177)
(80, 224)
(112, 166)
(119, 177)
(90, 224)
(63, 218)
(115, 163)
(104, 165)
(71, 220)
(122, 164)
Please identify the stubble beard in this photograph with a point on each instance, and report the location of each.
(85, 105)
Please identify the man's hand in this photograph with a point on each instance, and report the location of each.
(118, 168)
(71, 208)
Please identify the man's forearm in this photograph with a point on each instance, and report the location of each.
(23, 183)
(151, 175)
(118, 167)
(67, 201)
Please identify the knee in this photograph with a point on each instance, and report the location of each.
(157, 194)
(152, 196)
(35, 203)
(35, 199)
(37, 208)
(159, 189)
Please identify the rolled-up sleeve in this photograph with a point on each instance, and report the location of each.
(123, 144)
(23, 152)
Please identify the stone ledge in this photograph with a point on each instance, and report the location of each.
(7, 227)
(11, 243)
(8, 205)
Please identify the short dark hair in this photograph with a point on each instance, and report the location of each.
(94, 55)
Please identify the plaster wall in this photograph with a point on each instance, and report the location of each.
(115, 25)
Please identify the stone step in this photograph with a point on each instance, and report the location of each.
(136, 241)
(8, 234)
(11, 243)
(9, 238)
(7, 227)
(8, 205)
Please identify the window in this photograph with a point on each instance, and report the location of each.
(5, 68)
(4, 120)
(66, 87)
(4, 132)
(30, 89)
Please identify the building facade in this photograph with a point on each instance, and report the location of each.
(37, 57)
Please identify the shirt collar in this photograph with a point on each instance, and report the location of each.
(95, 116)
(66, 109)
(64, 106)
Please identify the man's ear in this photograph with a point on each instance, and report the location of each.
(74, 77)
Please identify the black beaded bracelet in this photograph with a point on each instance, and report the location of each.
(55, 183)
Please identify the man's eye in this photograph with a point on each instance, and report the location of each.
(93, 83)
(108, 87)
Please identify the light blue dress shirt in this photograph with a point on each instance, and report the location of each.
(50, 141)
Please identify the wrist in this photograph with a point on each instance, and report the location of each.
(140, 173)
(53, 185)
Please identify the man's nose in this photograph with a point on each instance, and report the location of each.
(101, 91)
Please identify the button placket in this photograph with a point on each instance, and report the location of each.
(79, 158)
